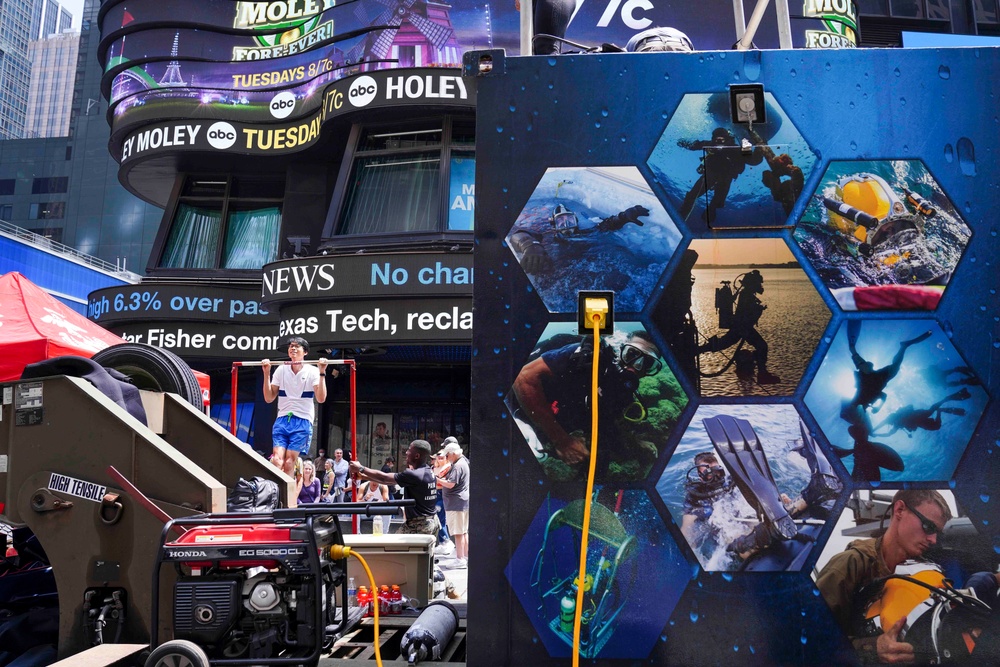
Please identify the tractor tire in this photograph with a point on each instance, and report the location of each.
(177, 653)
(154, 369)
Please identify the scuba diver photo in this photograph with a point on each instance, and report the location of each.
(896, 400)
(640, 402)
(750, 488)
(882, 235)
(590, 228)
(741, 317)
(727, 175)
(909, 580)
(635, 574)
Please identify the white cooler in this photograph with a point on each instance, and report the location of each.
(405, 560)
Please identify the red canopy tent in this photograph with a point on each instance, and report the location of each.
(35, 326)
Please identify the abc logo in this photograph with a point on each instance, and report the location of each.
(221, 135)
(362, 91)
(282, 105)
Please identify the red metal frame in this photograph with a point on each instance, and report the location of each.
(354, 410)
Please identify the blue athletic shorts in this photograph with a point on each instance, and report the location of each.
(292, 433)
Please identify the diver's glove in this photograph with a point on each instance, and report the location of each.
(615, 222)
(534, 258)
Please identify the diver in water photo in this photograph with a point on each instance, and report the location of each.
(593, 228)
(744, 520)
(723, 162)
(882, 235)
(887, 398)
(565, 226)
(550, 401)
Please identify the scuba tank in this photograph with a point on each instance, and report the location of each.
(923, 206)
(725, 301)
(430, 633)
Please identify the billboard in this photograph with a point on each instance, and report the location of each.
(813, 366)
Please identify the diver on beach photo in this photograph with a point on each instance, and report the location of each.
(742, 324)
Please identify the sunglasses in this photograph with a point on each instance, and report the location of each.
(929, 527)
(640, 361)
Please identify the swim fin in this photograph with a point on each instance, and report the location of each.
(739, 448)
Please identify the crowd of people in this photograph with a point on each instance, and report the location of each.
(438, 483)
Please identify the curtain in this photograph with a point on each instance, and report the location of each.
(394, 194)
(194, 239)
(251, 238)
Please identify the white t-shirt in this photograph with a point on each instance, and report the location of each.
(296, 390)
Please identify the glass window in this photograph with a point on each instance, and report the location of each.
(44, 186)
(7, 186)
(194, 239)
(417, 179)
(55, 210)
(239, 215)
(938, 10)
(986, 11)
(251, 238)
(6, 211)
(907, 8)
(393, 194)
(873, 7)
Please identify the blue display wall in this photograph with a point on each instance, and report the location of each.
(815, 289)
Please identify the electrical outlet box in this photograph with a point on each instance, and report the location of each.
(589, 302)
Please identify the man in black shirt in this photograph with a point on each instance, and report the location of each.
(418, 484)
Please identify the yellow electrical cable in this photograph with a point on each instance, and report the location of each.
(578, 614)
(338, 552)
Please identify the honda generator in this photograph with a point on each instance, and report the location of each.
(255, 588)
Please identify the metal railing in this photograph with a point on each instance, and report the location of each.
(43, 243)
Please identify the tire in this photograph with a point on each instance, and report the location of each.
(177, 653)
(153, 368)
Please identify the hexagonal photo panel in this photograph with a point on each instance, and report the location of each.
(640, 402)
(593, 228)
(750, 488)
(731, 175)
(896, 400)
(910, 564)
(882, 235)
(635, 574)
(741, 317)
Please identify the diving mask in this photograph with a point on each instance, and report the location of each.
(639, 360)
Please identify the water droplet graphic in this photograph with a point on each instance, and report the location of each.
(793, 73)
(854, 146)
(694, 615)
(851, 105)
(902, 101)
(552, 62)
(949, 153)
(828, 67)
(985, 497)
(499, 129)
(604, 112)
(896, 71)
(803, 638)
(944, 72)
(597, 124)
(967, 156)
(727, 576)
